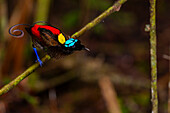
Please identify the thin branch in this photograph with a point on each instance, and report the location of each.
(115, 7)
(153, 56)
(17, 80)
(31, 69)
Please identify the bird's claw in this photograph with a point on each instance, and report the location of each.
(41, 63)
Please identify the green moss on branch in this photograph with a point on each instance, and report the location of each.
(153, 56)
(17, 80)
(102, 16)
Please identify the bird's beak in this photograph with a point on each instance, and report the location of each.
(87, 49)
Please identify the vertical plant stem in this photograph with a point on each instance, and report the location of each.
(153, 56)
(42, 6)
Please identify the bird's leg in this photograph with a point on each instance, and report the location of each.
(38, 58)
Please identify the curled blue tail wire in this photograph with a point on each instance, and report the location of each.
(11, 31)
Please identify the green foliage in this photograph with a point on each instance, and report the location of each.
(123, 106)
(30, 99)
(70, 19)
(99, 4)
(99, 29)
(142, 99)
(32, 80)
(124, 19)
(6, 80)
(28, 51)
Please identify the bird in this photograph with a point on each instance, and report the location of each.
(49, 39)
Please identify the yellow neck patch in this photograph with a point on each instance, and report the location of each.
(61, 38)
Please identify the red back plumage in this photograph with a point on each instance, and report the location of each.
(36, 32)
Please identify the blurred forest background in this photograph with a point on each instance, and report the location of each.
(116, 72)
